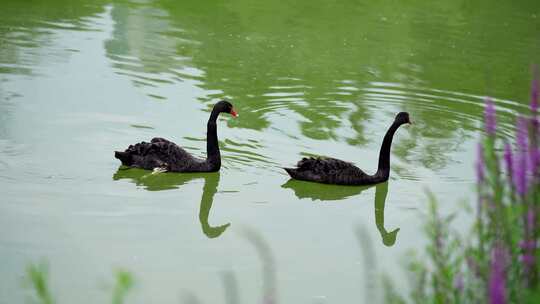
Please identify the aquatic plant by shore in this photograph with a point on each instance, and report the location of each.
(498, 262)
(38, 280)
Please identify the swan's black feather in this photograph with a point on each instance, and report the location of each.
(159, 153)
(328, 171)
(322, 165)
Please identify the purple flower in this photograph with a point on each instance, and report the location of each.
(521, 161)
(531, 244)
(489, 117)
(522, 133)
(535, 124)
(534, 160)
(528, 245)
(508, 158)
(497, 275)
(527, 257)
(480, 164)
(529, 230)
(528, 260)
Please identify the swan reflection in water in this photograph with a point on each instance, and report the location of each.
(167, 181)
(325, 192)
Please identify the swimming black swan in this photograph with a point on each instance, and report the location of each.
(335, 171)
(167, 156)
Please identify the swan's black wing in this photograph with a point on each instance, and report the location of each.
(158, 153)
(328, 171)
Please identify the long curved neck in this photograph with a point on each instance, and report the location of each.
(213, 157)
(383, 170)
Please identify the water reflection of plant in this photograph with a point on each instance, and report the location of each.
(499, 263)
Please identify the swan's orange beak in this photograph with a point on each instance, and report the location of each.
(233, 113)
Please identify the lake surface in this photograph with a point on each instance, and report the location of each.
(80, 79)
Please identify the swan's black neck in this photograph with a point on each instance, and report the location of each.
(383, 170)
(213, 157)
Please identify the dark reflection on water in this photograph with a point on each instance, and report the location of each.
(155, 182)
(167, 181)
(388, 238)
(325, 192)
(210, 188)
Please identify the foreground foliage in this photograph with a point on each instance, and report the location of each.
(498, 262)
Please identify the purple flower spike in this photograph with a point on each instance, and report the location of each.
(489, 117)
(508, 158)
(480, 164)
(522, 133)
(521, 161)
(497, 275)
(534, 160)
(527, 257)
(528, 260)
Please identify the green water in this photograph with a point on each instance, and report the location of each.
(80, 79)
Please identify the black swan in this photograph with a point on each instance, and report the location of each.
(164, 155)
(335, 171)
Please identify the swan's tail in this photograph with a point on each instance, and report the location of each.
(292, 172)
(124, 157)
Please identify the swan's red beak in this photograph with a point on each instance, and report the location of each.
(233, 113)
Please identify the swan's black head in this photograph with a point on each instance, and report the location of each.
(403, 118)
(226, 107)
